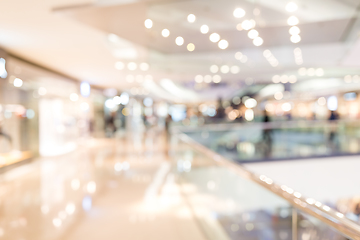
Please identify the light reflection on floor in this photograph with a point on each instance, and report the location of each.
(107, 189)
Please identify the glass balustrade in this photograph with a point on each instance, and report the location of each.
(273, 141)
(229, 202)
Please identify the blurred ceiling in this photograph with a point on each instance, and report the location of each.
(84, 39)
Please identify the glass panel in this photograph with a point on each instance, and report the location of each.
(230, 206)
(257, 142)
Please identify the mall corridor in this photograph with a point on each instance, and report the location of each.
(178, 120)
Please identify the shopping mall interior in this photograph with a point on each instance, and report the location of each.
(197, 119)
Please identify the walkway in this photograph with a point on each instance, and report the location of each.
(107, 189)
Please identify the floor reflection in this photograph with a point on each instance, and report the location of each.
(107, 189)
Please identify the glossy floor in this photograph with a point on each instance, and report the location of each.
(107, 189)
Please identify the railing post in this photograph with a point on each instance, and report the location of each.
(294, 224)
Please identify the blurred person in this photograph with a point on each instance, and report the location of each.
(168, 120)
(110, 125)
(5, 140)
(220, 111)
(334, 116)
(266, 136)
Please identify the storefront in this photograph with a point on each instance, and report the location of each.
(44, 113)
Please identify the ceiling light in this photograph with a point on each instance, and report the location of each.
(246, 25)
(179, 41)
(291, 7)
(190, 47)
(258, 41)
(267, 53)
(74, 97)
(239, 13)
(214, 37)
(204, 29)
(244, 59)
(292, 21)
(225, 69)
(207, 78)
(253, 34)
(286, 107)
(148, 23)
(223, 44)
(276, 79)
(302, 71)
(165, 32)
(311, 72)
(250, 103)
(199, 78)
(119, 65)
(191, 18)
(216, 78)
(294, 30)
(284, 79)
(214, 69)
(234, 69)
(238, 55)
(295, 38)
(292, 79)
(319, 72)
(132, 66)
(348, 78)
(144, 67)
(18, 82)
(321, 101)
(278, 95)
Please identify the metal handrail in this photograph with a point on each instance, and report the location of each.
(268, 125)
(310, 206)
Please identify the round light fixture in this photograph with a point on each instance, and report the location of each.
(295, 38)
(291, 7)
(214, 69)
(225, 69)
(239, 12)
(165, 32)
(258, 41)
(144, 67)
(276, 79)
(223, 44)
(148, 23)
(214, 37)
(132, 66)
(204, 29)
(179, 41)
(199, 78)
(207, 78)
(292, 21)
(191, 18)
(119, 65)
(238, 55)
(294, 30)
(216, 78)
(190, 47)
(253, 34)
(247, 25)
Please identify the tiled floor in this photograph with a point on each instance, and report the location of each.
(107, 189)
